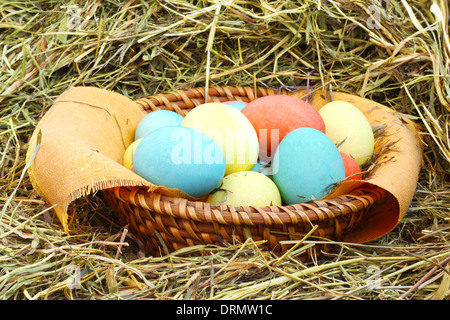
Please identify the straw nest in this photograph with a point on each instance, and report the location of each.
(396, 53)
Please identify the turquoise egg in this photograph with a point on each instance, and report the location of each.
(263, 168)
(155, 120)
(306, 165)
(181, 158)
(236, 104)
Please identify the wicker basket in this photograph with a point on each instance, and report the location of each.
(164, 224)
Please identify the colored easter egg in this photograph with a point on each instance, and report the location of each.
(246, 188)
(352, 169)
(306, 164)
(231, 130)
(238, 105)
(349, 129)
(155, 120)
(181, 158)
(263, 168)
(129, 154)
(274, 116)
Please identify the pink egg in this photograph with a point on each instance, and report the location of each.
(351, 167)
(274, 116)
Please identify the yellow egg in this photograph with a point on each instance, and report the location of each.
(349, 129)
(129, 154)
(246, 188)
(230, 129)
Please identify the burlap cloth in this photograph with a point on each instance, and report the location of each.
(82, 138)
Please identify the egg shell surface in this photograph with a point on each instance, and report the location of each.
(263, 168)
(349, 129)
(129, 154)
(181, 158)
(238, 105)
(274, 116)
(246, 188)
(305, 164)
(230, 129)
(155, 120)
(351, 167)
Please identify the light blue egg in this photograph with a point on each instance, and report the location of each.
(181, 158)
(155, 120)
(306, 165)
(236, 104)
(263, 168)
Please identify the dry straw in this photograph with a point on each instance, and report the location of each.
(396, 53)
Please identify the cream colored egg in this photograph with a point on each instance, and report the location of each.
(230, 129)
(349, 129)
(246, 188)
(129, 154)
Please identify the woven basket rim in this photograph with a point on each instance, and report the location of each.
(201, 211)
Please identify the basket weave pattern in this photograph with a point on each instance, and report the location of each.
(164, 224)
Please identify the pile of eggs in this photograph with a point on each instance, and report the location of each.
(274, 150)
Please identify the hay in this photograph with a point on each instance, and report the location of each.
(397, 55)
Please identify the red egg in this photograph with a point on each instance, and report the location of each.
(274, 116)
(351, 167)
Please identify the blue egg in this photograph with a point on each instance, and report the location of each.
(236, 104)
(181, 158)
(155, 120)
(263, 168)
(306, 165)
